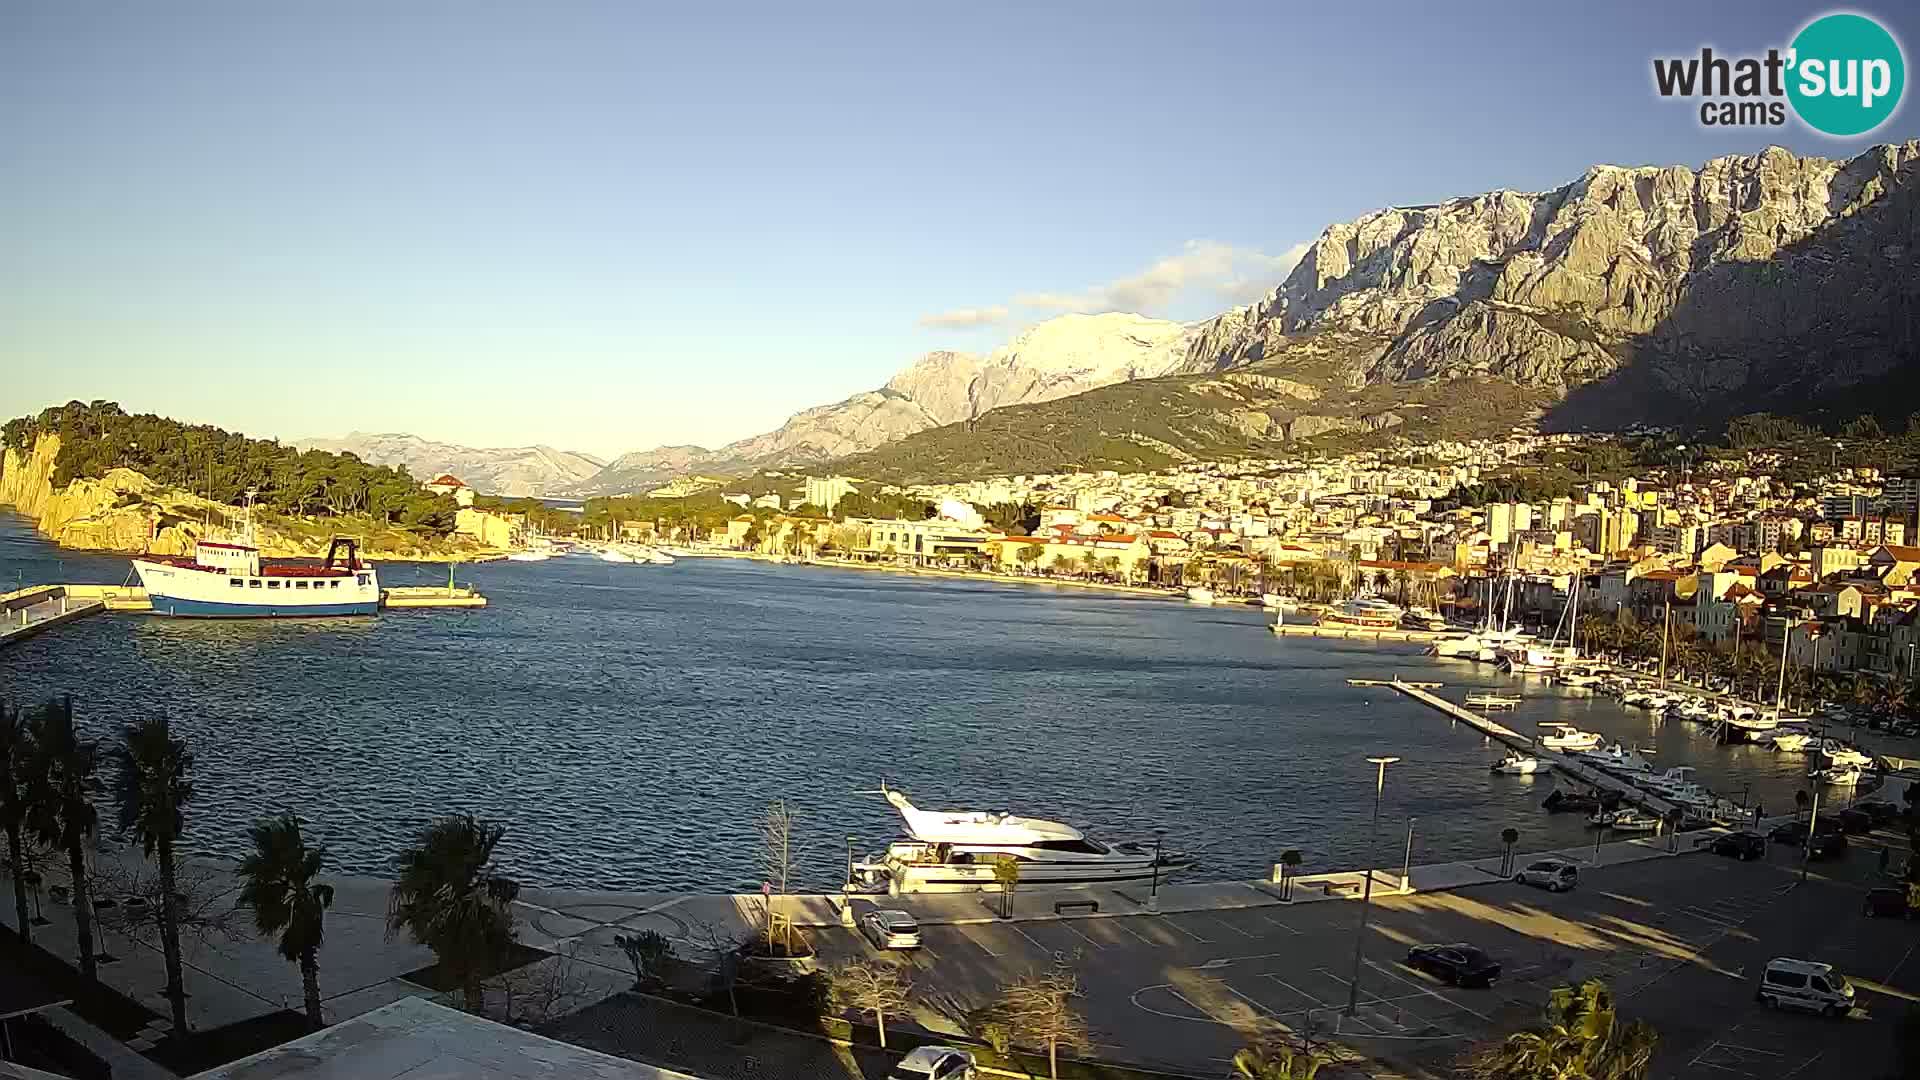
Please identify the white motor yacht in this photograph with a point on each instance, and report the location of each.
(527, 556)
(614, 555)
(1285, 605)
(1792, 742)
(1578, 680)
(1363, 612)
(1625, 819)
(1519, 765)
(1566, 738)
(955, 851)
(1616, 758)
(1492, 701)
(1839, 755)
(1200, 594)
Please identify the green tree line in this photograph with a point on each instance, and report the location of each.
(223, 466)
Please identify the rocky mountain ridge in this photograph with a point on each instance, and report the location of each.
(1059, 357)
(519, 470)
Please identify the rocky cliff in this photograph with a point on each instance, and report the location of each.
(518, 470)
(1657, 292)
(125, 511)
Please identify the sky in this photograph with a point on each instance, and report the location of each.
(610, 226)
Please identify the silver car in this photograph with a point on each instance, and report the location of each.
(1554, 875)
(935, 1063)
(890, 929)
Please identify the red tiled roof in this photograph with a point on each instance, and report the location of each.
(446, 480)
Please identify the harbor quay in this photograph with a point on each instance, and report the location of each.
(1177, 976)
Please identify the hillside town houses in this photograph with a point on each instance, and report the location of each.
(1726, 548)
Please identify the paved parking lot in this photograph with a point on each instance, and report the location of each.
(1680, 939)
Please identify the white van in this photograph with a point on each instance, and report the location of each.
(1803, 984)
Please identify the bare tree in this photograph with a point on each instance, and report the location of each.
(1040, 1011)
(537, 993)
(776, 856)
(203, 898)
(649, 951)
(874, 986)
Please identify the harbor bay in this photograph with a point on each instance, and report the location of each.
(630, 723)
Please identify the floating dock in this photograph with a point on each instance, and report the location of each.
(1586, 774)
(1418, 637)
(431, 596)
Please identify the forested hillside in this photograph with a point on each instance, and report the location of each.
(223, 466)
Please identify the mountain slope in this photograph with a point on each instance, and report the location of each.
(520, 470)
(1056, 358)
(1647, 294)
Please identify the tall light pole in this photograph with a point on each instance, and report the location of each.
(1366, 898)
(1153, 896)
(1406, 864)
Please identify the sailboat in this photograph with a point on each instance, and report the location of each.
(1534, 657)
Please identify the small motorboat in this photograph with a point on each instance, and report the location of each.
(1839, 755)
(1625, 819)
(1561, 801)
(1791, 742)
(1839, 777)
(1519, 765)
(1578, 680)
(1616, 758)
(1566, 737)
(1492, 701)
(1419, 618)
(527, 556)
(1200, 594)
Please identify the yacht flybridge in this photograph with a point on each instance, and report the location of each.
(955, 851)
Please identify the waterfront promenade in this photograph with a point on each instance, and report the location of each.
(1150, 1009)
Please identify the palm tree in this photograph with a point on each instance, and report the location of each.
(278, 884)
(153, 786)
(60, 809)
(1281, 1062)
(1509, 836)
(453, 900)
(1290, 860)
(1582, 1037)
(14, 749)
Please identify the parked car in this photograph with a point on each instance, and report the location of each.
(1854, 821)
(1741, 845)
(1882, 812)
(1827, 844)
(935, 1063)
(1554, 875)
(1460, 964)
(1795, 832)
(1804, 984)
(1887, 903)
(889, 929)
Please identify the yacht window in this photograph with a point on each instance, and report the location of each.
(254, 584)
(363, 579)
(334, 584)
(273, 584)
(1083, 846)
(236, 583)
(299, 584)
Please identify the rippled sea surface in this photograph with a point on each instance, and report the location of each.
(630, 723)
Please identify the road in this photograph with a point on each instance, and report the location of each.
(1681, 940)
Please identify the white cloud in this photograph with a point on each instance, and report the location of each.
(961, 318)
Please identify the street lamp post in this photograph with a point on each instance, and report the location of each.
(1406, 864)
(1366, 897)
(850, 863)
(1153, 894)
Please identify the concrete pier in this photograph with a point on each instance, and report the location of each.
(1584, 773)
(1417, 637)
(26, 612)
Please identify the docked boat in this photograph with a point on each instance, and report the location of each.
(615, 555)
(1839, 755)
(1791, 742)
(527, 556)
(1578, 680)
(1464, 645)
(1200, 594)
(1616, 759)
(955, 851)
(1566, 737)
(1286, 605)
(1519, 765)
(1625, 819)
(1363, 612)
(1419, 618)
(1850, 776)
(1492, 701)
(232, 581)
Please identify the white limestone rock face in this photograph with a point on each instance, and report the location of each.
(515, 471)
(1720, 266)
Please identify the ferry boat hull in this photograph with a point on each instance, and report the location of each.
(229, 581)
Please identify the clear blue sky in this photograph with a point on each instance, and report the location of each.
(606, 226)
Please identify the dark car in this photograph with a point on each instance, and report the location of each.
(1882, 813)
(1460, 964)
(1887, 904)
(1854, 821)
(1795, 832)
(1827, 844)
(1740, 845)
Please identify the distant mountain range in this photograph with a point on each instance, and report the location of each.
(1629, 295)
(519, 470)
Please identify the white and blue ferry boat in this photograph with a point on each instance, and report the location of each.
(231, 581)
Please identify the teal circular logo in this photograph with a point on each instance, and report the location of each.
(1847, 74)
